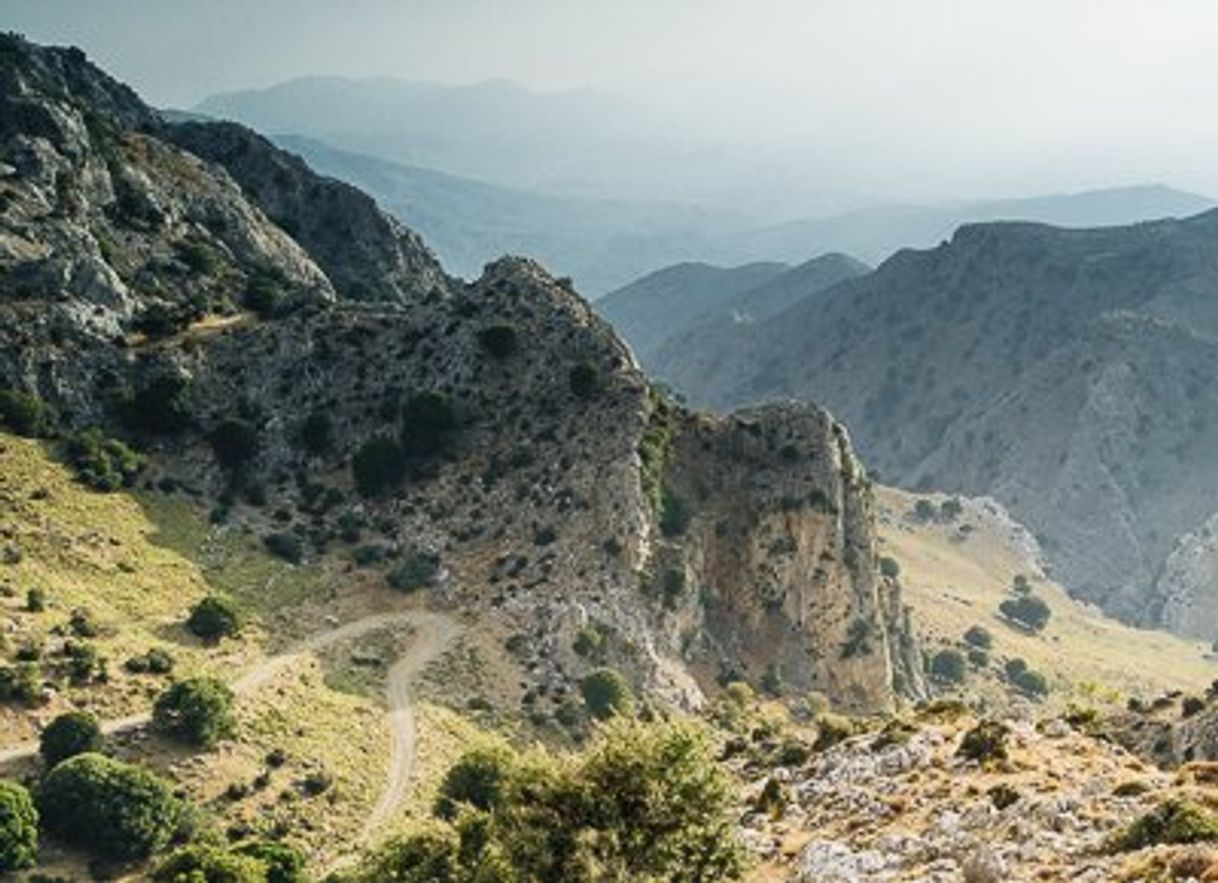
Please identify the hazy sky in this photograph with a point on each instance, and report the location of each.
(912, 97)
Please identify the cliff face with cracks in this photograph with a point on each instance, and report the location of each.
(174, 300)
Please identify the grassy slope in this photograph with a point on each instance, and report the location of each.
(138, 562)
(953, 583)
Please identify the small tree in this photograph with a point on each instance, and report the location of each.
(889, 567)
(117, 810)
(70, 734)
(26, 414)
(607, 693)
(585, 380)
(196, 710)
(235, 441)
(209, 864)
(428, 422)
(214, 618)
(18, 828)
(498, 340)
(979, 636)
(104, 464)
(317, 433)
(378, 467)
(948, 666)
(1027, 610)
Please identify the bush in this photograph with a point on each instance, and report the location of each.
(498, 340)
(585, 380)
(948, 666)
(978, 636)
(1027, 610)
(644, 803)
(283, 863)
(378, 467)
(607, 693)
(977, 657)
(1173, 821)
(428, 422)
(35, 600)
(160, 320)
(1014, 667)
(286, 546)
(209, 864)
(264, 293)
(18, 828)
(675, 514)
(588, 641)
(26, 414)
(417, 570)
(70, 734)
(858, 639)
(317, 433)
(214, 618)
(164, 404)
(197, 710)
(985, 743)
(1031, 682)
(235, 442)
(102, 463)
(116, 810)
(889, 567)
(23, 682)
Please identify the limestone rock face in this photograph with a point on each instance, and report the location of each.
(520, 443)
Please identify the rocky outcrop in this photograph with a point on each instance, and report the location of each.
(366, 253)
(505, 430)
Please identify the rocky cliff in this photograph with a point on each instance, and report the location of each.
(1062, 372)
(277, 345)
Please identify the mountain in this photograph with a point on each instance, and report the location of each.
(1061, 371)
(874, 233)
(600, 243)
(664, 305)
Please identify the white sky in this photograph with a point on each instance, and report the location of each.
(914, 97)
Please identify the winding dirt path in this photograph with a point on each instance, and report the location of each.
(433, 634)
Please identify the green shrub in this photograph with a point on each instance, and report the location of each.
(102, 463)
(979, 636)
(1172, 822)
(161, 320)
(214, 618)
(264, 293)
(286, 546)
(378, 467)
(235, 442)
(1031, 682)
(197, 710)
(1027, 610)
(858, 639)
(209, 864)
(977, 657)
(889, 567)
(116, 810)
(70, 734)
(675, 514)
(284, 864)
(1002, 796)
(607, 693)
(498, 340)
(35, 600)
(948, 666)
(585, 380)
(985, 743)
(428, 423)
(18, 828)
(832, 729)
(771, 680)
(26, 414)
(417, 570)
(22, 682)
(1014, 667)
(317, 433)
(478, 779)
(164, 404)
(588, 641)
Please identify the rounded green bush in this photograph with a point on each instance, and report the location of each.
(607, 693)
(214, 618)
(70, 734)
(113, 809)
(18, 828)
(197, 710)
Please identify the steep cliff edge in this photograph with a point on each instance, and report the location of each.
(494, 442)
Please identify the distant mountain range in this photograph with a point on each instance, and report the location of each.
(1067, 372)
(672, 302)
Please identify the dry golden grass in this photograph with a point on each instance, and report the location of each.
(953, 583)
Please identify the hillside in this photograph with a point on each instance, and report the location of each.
(237, 381)
(1059, 371)
(710, 302)
(956, 570)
